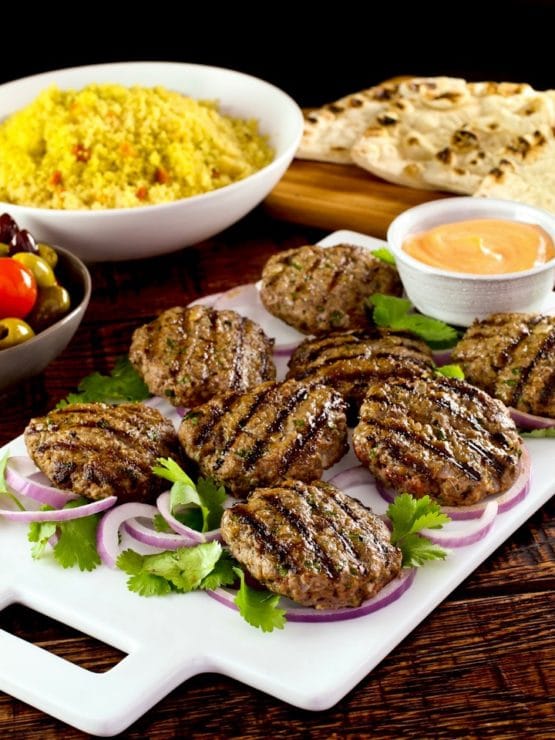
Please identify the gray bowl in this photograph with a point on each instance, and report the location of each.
(31, 357)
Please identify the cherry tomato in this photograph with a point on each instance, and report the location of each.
(18, 289)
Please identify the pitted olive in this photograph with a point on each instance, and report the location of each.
(14, 331)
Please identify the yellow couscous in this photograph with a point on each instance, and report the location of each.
(108, 146)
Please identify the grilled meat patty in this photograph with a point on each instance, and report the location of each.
(322, 289)
(440, 436)
(190, 354)
(276, 431)
(312, 543)
(350, 361)
(98, 450)
(512, 357)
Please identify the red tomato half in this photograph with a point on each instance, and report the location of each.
(18, 289)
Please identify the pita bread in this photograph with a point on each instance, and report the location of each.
(330, 132)
(528, 176)
(449, 136)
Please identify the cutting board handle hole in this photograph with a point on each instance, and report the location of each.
(66, 642)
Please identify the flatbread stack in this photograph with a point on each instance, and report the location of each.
(443, 133)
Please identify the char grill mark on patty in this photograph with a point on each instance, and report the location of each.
(276, 430)
(547, 346)
(509, 350)
(270, 543)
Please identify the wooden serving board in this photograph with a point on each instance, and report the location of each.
(337, 196)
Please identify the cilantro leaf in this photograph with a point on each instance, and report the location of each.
(222, 574)
(408, 516)
(385, 255)
(122, 385)
(539, 433)
(451, 371)
(258, 608)
(160, 524)
(76, 543)
(3, 484)
(393, 313)
(417, 550)
(182, 570)
(198, 506)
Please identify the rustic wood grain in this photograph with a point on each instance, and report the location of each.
(482, 665)
(336, 196)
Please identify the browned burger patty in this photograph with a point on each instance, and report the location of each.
(512, 357)
(312, 543)
(190, 354)
(322, 289)
(442, 437)
(98, 450)
(276, 431)
(350, 361)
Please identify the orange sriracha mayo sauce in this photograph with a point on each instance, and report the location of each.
(482, 246)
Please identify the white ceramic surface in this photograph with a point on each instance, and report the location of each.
(132, 233)
(460, 298)
(169, 639)
(31, 357)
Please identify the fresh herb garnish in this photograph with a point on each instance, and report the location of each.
(393, 313)
(385, 255)
(76, 539)
(198, 506)
(451, 371)
(186, 569)
(258, 608)
(3, 484)
(408, 516)
(540, 433)
(123, 384)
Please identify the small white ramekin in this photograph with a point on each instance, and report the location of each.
(457, 297)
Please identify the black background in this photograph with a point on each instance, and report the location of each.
(314, 51)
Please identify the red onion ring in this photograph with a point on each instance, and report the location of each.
(245, 299)
(388, 594)
(107, 534)
(442, 356)
(25, 478)
(476, 532)
(148, 536)
(356, 476)
(194, 537)
(530, 421)
(59, 515)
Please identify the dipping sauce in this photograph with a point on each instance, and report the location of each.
(482, 246)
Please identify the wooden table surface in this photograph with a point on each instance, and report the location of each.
(480, 666)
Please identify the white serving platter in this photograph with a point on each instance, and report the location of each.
(168, 639)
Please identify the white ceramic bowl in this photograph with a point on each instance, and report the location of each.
(457, 297)
(31, 357)
(131, 233)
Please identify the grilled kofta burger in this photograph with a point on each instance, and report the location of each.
(312, 543)
(351, 361)
(98, 450)
(276, 431)
(512, 357)
(322, 289)
(190, 354)
(441, 436)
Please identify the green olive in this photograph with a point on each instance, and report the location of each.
(44, 274)
(14, 331)
(48, 254)
(52, 303)
(4, 249)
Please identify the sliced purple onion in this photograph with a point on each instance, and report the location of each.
(530, 421)
(59, 515)
(356, 476)
(442, 356)
(149, 536)
(471, 533)
(107, 534)
(388, 594)
(24, 477)
(194, 537)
